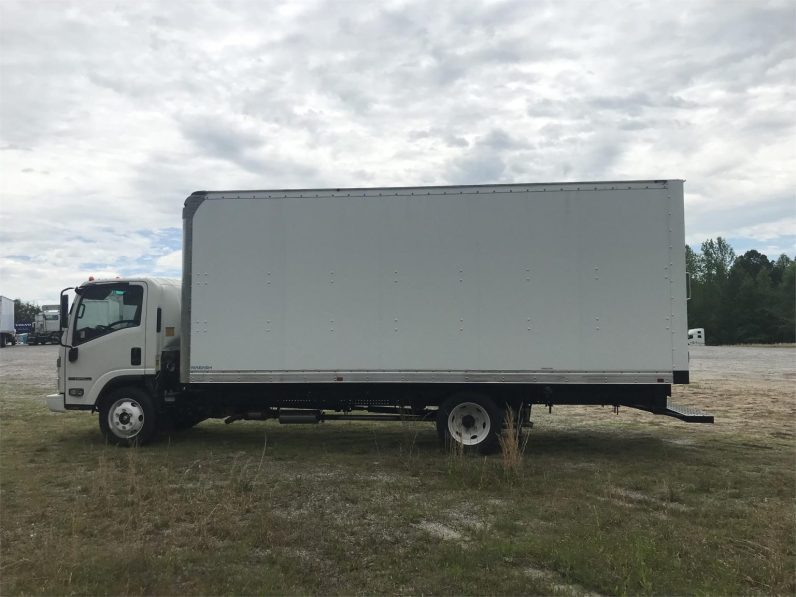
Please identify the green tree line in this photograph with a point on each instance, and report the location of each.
(25, 312)
(741, 299)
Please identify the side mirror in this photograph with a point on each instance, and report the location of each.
(64, 311)
(65, 322)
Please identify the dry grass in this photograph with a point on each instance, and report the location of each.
(601, 504)
(512, 445)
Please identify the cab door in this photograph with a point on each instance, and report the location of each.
(107, 339)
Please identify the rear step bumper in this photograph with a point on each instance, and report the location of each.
(686, 413)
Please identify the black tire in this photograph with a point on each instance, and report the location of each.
(2, 340)
(476, 424)
(127, 417)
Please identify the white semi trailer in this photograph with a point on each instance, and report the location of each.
(449, 304)
(8, 334)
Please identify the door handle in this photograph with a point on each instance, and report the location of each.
(135, 356)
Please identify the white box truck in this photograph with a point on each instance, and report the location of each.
(8, 335)
(449, 304)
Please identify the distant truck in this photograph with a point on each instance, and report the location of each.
(455, 305)
(696, 336)
(8, 334)
(46, 327)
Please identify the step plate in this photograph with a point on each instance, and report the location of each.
(687, 414)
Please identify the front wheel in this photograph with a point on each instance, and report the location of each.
(127, 417)
(473, 422)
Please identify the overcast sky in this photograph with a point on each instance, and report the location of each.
(113, 112)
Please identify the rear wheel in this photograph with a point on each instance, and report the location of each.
(127, 417)
(471, 421)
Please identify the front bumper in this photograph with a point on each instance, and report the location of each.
(55, 402)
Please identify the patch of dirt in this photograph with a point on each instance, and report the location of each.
(33, 365)
(463, 520)
(630, 496)
(439, 530)
(556, 584)
(388, 478)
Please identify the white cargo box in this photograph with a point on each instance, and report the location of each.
(534, 283)
(6, 315)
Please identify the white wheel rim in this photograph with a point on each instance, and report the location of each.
(469, 423)
(126, 418)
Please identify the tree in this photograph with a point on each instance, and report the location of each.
(717, 258)
(785, 301)
(743, 299)
(778, 268)
(693, 264)
(24, 312)
(753, 263)
(749, 307)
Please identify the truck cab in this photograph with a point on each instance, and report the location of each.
(696, 336)
(46, 327)
(114, 337)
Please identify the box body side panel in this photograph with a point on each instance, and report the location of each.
(6, 315)
(545, 281)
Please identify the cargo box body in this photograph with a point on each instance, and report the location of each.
(6, 315)
(572, 283)
(7, 330)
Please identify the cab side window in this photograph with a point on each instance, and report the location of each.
(107, 308)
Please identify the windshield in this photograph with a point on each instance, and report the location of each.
(107, 308)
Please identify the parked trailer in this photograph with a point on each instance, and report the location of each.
(8, 334)
(448, 304)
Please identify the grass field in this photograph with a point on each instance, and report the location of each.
(601, 504)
